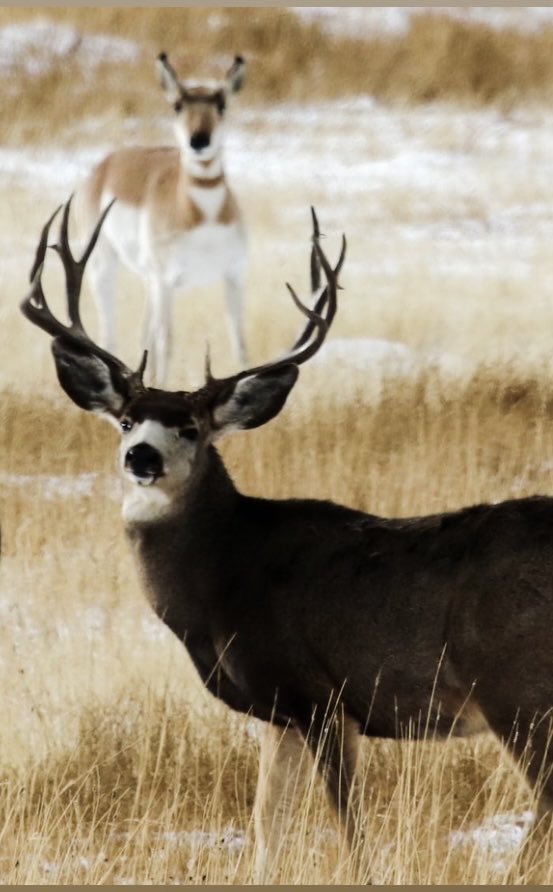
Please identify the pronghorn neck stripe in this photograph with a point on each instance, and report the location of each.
(207, 182)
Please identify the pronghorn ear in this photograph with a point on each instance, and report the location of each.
(252, 401)
(168, 79)
(88, 380)
(236, 75)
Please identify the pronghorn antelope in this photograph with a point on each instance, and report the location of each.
(176, 222)
(325, 622)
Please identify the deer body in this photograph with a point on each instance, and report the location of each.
(323, 621)
(283, 604)
(175, 223)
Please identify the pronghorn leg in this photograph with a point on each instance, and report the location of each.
(103, 267)
(283, 771)
(234, 291)
(158, 329)
(334, 743)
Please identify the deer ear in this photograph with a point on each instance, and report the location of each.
(88, 380)
(253, 401)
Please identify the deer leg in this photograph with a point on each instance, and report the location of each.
(282, 777)
(158, 329)
(234, 291)
(528, 738)
(334, 742)
(103, 278)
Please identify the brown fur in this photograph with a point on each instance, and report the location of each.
(154, 176)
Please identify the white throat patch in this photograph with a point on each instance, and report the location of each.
(143, 504)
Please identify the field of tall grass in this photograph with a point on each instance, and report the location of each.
(434, 391)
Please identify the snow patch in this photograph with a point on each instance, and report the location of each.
(49, 487)
(395, 21)
(38, 45)
(229, 839)
(391, 358)
(499, 837)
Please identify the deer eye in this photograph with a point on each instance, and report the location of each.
(126, 425)
(178, 105)
(189, 433)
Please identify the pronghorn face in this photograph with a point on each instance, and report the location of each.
(199, 123)
(200, 107)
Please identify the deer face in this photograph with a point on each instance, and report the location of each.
(166, 434)
(161, 444)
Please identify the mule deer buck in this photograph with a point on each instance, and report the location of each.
(176, 222)
(325, 622)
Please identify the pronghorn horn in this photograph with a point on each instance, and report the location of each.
(168, 71)
(236, 74)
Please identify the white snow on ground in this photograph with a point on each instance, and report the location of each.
(500, 836)
(389, 357)
(49, 487)
(392, 21)
(230, 838)
(37, 45)
(398, 164)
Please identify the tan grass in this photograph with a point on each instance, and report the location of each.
(110, 746)
(438, 59)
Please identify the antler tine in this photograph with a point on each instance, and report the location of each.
(315, 270)
(331, 274)
(74, 269)
(316, 262)
(305, 347)
(43, 244)
(207, 364)
(35, 307)
(315, 265)
(316, 321)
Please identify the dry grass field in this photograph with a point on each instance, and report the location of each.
(434, 391)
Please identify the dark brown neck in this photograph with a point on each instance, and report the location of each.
(180, 556)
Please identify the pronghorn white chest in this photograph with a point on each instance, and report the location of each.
(203, 255)
(209, 200)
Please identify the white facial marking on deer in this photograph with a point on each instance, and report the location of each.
(156, 462)
(145, 505)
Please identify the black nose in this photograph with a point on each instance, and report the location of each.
(144, 461)
(200, 140)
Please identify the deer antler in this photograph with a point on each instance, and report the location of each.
(35, 306)
(318, 324)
